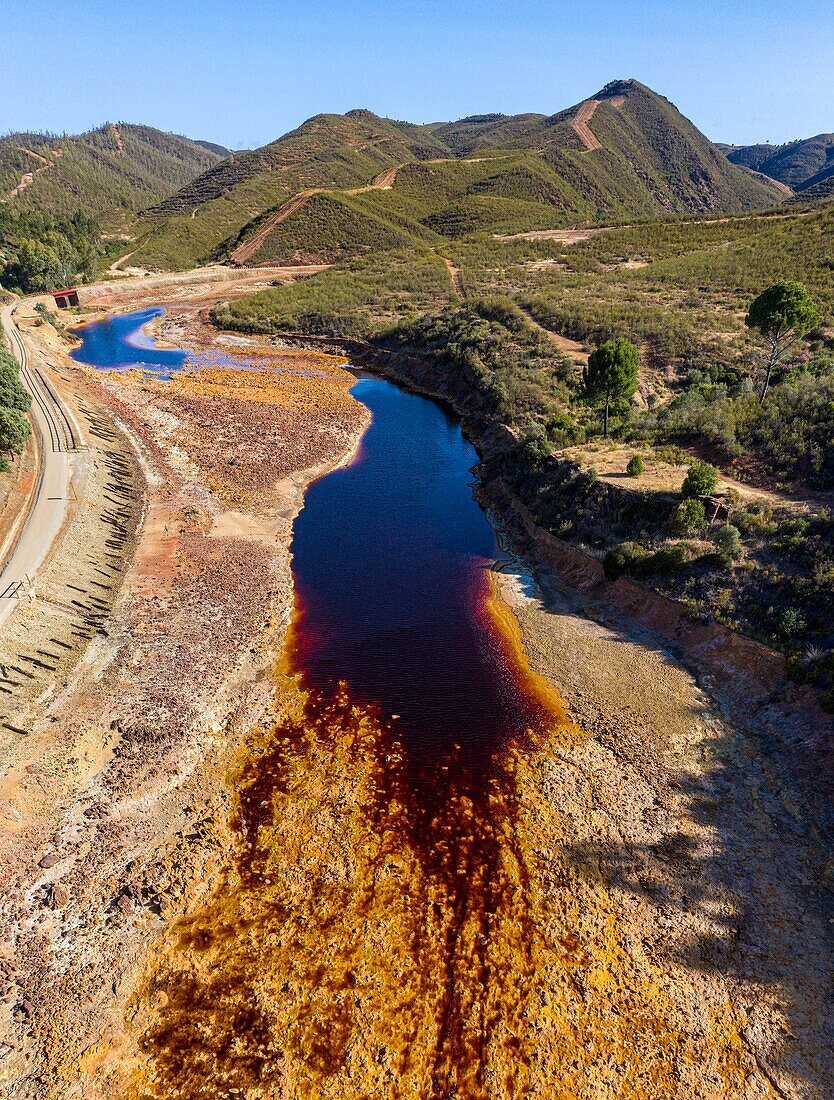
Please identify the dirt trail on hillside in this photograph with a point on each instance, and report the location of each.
(564, 236)
(579, 125)
(571, 348)
(28, 178)
(244, 252)
(252, 245)
(383, 182)
(118, 141)
(455, 277)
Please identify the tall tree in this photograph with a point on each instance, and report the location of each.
(611, 374)
(781, 315)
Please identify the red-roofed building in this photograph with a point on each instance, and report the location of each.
(65, 298)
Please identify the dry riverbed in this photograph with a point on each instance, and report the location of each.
(165, 629)
(658, 926)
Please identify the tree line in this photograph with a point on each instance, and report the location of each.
(39, 253)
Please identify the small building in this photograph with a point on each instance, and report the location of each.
(65, 298)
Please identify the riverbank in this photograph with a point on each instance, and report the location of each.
(697, 822)
(115, 800)
(657, 923)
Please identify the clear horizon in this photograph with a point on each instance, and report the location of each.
(242, 75)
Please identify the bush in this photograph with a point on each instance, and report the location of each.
(623, 559)
(791, 624)
(636, 466)
(13, 394)
(671, 559)
(728, 540)
(688, 518)
(14, 431)
(700, 481)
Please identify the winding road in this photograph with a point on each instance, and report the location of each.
(58, 436)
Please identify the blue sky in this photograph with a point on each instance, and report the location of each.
(242, 72)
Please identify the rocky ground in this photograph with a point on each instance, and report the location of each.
(216, 897)
(156, 625)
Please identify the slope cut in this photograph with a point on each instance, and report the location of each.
(580, 125)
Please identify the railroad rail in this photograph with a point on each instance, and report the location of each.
(62, 434)
(59, 436)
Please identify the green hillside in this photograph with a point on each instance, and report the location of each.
(625, 154)
(801, 165)
(328, 227)
(108, 173)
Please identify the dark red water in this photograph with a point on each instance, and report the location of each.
(391, 559)
(395, 757)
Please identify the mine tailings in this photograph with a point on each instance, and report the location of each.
(380, 808)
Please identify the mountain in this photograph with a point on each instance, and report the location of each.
(109, 173)
(212, 147)
(341, 184)
(806, 166)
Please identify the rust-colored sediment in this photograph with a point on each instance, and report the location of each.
(357, 949)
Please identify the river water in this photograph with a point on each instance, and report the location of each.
(391, 566)
(412, 697)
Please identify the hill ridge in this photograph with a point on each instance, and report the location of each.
(625, 153)
(109, 172)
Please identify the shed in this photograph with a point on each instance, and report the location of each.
(65, 298)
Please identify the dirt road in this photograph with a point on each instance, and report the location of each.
(244, 252)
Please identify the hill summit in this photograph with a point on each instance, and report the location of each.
(343, 184)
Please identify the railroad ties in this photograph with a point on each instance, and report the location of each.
(62, 434)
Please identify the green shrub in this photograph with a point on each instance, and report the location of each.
(623, 559)
(675, 456)
(670, 559)
(13, 394)
(728, 540)
(700, 481)
(636, 466)
(688, 518)
(791, 624)
(14, 431)
(563, 430)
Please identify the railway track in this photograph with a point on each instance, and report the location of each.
(59, 437)
(62, 434)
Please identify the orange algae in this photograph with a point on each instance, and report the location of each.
(339, 958)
